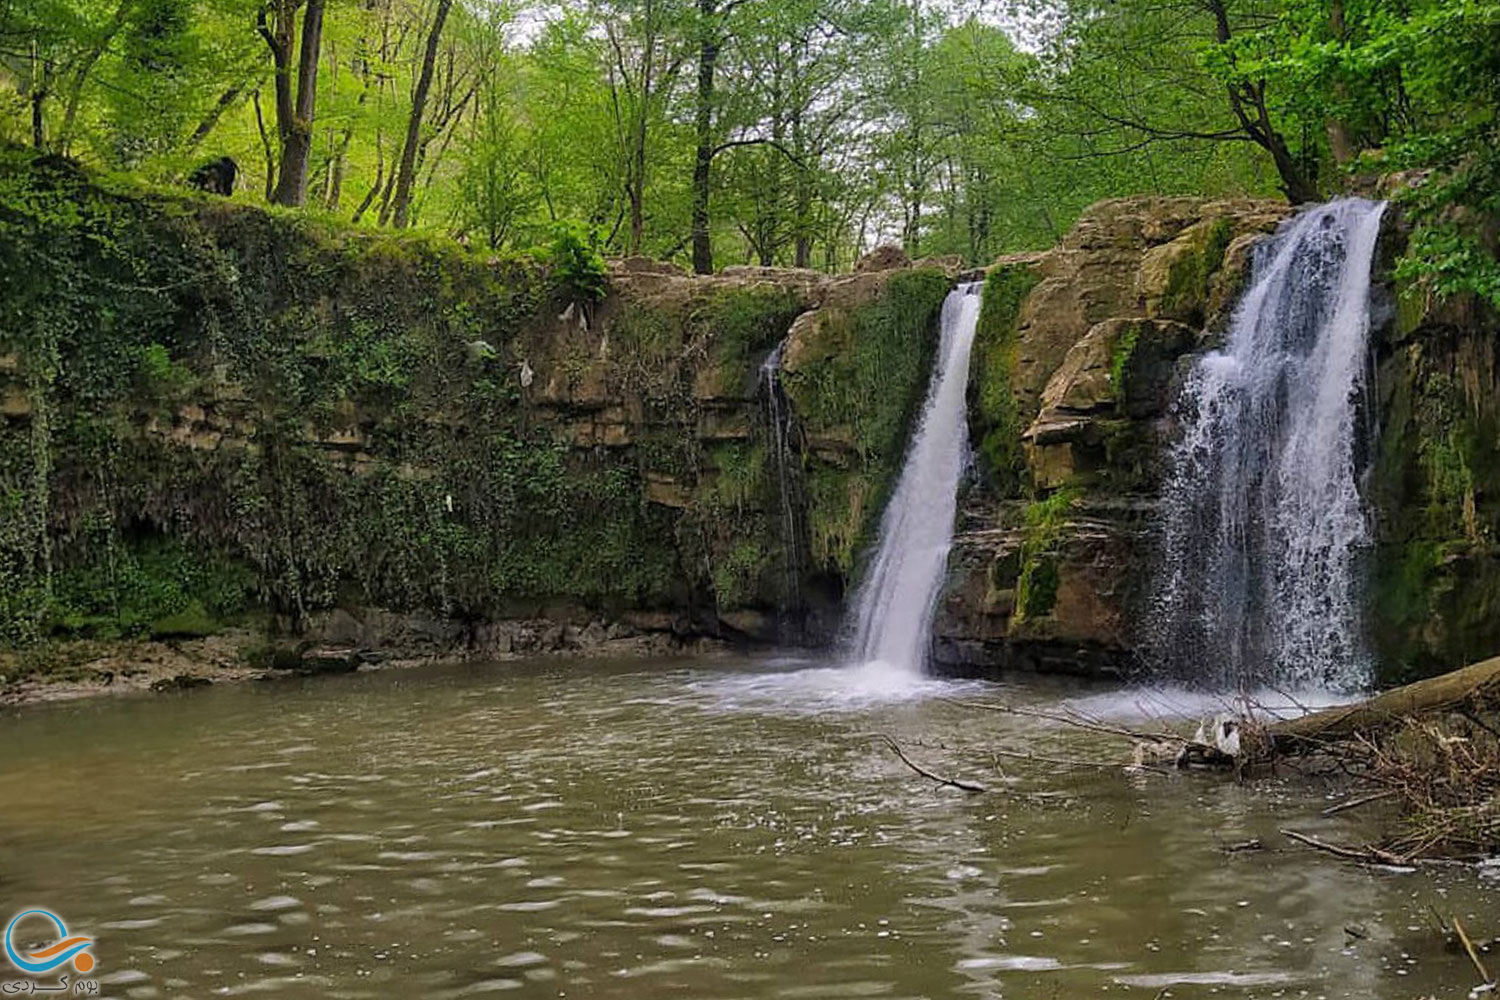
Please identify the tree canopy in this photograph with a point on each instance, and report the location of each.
(791, 132)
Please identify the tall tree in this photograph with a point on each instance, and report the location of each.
(295, 111)
(406, 170)
(648, 46)
(1144, 72)
(710, 43)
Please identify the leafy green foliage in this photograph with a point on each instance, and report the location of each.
(576, 263)
(1042, 524)
(157, 587)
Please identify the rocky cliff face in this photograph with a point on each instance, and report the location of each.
(1074, 372)
(210, 413)
(1081, 354)
(1435, 484)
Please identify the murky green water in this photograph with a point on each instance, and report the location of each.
(644, 831)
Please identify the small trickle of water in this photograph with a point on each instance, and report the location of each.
(895, 605)
(1265, 527)
(777, 415)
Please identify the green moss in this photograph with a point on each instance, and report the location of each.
(743, 321)
(994, 411)
(147, 587)
(873, 365)
(1042, 524)
(737, 574)
(858, 386)
(1436, 484)
(644, 334)
(346, 441)
(840, 504)
(1190, 273)
(740, 475)
(193, 622)
(1411, 308)
(1120, 356)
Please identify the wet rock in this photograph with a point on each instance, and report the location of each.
(180, 682)
(883, 258)
(593, 634)
(1090, 365)
(751, 624)
(330, 661)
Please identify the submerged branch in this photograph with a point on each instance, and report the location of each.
(1069, 719)
(967, 786)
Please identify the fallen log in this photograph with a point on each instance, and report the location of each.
(1475, 688)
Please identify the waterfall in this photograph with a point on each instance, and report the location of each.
(1265, 528)
(777, 418)
(894, 606)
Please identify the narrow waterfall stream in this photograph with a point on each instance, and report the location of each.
(1265, 527)
(777, 416)
(895, 604)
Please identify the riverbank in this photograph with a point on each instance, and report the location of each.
(82, 668)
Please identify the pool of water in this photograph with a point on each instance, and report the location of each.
(718, 829)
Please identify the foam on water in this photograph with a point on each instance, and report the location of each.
(801, 686)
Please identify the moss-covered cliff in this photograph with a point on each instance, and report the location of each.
(1079, 356)
(1072, 378)
(211, 413)
(1436, 482)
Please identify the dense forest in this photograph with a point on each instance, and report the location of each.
(785, 132)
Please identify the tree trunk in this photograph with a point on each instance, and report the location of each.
(1341, 140)
(1297, 188)
(265, 143)
(636, 195)
(80, 77)
(211, 120)
(41, 80)
(1245, 95)
(406, 171)
(803, 194)
(708, 57)
(38, 120)
(1476, 686)
(364, 206)
(295, 121)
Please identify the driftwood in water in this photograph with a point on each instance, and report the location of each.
(1474, 688)
(1431, 748)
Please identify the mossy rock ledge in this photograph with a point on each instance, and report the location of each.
(1081, 351)
(213, 415)
(1076, 363)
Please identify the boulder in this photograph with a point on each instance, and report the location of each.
(1079, 379)
(887, 257)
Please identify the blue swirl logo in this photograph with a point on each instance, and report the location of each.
(67, 949)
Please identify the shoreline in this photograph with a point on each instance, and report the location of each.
(103, 668)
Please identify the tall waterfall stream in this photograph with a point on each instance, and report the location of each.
(1265, 528)
(894, 607)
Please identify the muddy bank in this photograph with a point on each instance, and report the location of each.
(66, 670)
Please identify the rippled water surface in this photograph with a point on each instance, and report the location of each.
(720, 829)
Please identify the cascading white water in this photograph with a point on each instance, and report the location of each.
(894, 606)
(1265, 527)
